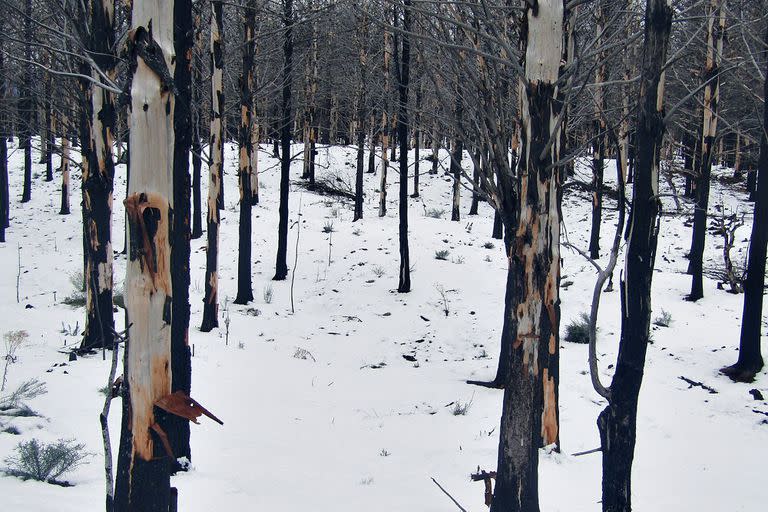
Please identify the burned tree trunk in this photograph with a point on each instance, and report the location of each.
(715, 38)
(281, 265)
(197, 148)
(361, 112)
(617, 422)
(598, 145)
(476, 162)
(215, 170)
(98, 172)
(403, 83)
(27, 105)
(65, 174)
(4, 184)
(143, 472)
(530, 408)
(417, 134)
(245, 136)
(310, 128)
(181, 362)
(385, 129)
(750, 360)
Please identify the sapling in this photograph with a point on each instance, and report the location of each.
(13, 340)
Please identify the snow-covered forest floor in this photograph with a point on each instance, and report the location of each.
(321, 410)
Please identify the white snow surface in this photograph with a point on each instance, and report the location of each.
(331, 432)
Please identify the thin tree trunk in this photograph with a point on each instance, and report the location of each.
(715, 37)
(197, 148)
(598, 155)
(65, 174)
(143, 470)
(385, 127)
(750, 360)
(617, 422)
(181, 361)
(404, 284)
(361, 113)
(281, 265)
(245, 136)
(417, 135)
(27, 105)
(4, 184)
(215, 172)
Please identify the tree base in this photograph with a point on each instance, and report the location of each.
(741, 373)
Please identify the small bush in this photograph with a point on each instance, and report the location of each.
(45, 462)
(459, 260)
(488, 245)
(357, 231)
(578, 330)
(384, 453)
(12, 430)
(461, 409)
(664, 319)
(267, 294)
(442, 254)
(328, 227)
(75, 300)
(302, 353)
(378, 270)
(435, 213)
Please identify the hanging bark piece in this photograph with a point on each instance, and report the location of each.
(180, 404)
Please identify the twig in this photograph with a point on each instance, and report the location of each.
(693, 383)
(587, 452)
(449, 495)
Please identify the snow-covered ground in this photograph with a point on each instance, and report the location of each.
(354, 425)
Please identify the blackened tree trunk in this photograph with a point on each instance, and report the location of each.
(417, 136)
(403, 83)
(143, 471)
(27, 105)
(4, 184)
(181, 361)
(617, 422)
(98, 173)
(457, 151)
(530, 408)
(361, 114)
(750, 359)
(65, 174)
(715, 38)
(385, 128)
(598, 145)
(281, 265)
(47, 140)
(197, 148)
(476, 163)
(215, 172)
(245, 140)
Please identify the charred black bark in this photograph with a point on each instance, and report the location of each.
(361, 113)
(197, 161)
(281, 265)
(750, 360)
(475, 183)
(181, 361)
(215, 184)
(244, 280)
(27, 105)
(617, 422)
(403, 83)
(4, 184)
(598, 167)
(98, 173)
